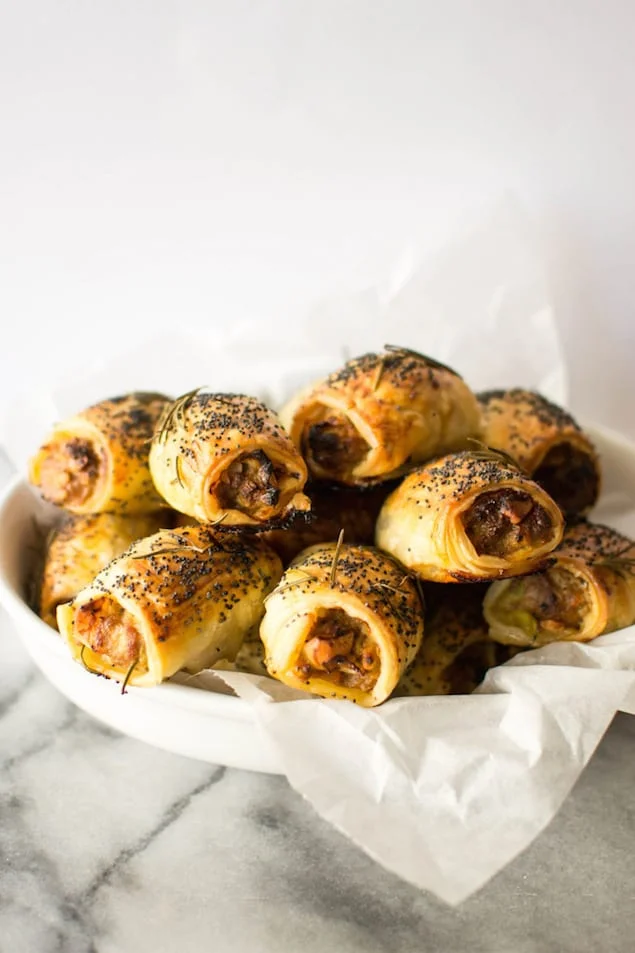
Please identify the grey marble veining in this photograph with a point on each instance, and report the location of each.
(110, 846)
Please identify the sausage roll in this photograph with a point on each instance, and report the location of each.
(333, 508)
(457, 650)
(379, 414)
(587, 591)
(226, 459)
(469, 516)
(546, 442)
(97, 462)
(82, 547)
(345, 622)
(179, 599)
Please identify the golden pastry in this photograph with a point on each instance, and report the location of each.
(81, 547)
(97, 462)
(546, 442)
(379, 414)
(587, 591)
(469, 516)
(344, 622)
(179, 599)
(226, 459)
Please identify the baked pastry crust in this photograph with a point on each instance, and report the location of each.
(226, 459)
(546, 442)
(180, 599)
(344, 622)
(588, 590)
(467, 517)
(97, 461)
(84, 545)
(379, 414)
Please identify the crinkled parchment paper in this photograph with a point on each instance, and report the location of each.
(443, 791)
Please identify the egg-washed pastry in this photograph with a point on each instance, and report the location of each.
(81, 547)
(456, 651)
(379, 414)
(333, 508)
(546, 442)
(469, 516)
(97, 462)
(587, 591)
(226, 459)
(180, 599)
(344, 622)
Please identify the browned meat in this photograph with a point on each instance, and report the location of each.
(250, 484)
(334, 444)
(502, 521)
(69, 472)
(570, 477)
(556, 599)
(340, 647)
(109, 630)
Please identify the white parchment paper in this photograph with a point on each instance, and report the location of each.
(443, 791)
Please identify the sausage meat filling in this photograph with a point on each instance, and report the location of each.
(570, 477)
(69, 472)
(339, 650)
(334, 446)
(251, 484)
(502, 522)
(104, 627)
(552, 604)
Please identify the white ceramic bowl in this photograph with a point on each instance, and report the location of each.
(188, 720)
(200, 724)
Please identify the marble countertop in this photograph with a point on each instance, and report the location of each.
(110, 846)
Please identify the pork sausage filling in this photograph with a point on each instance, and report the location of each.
(501, 522)
(104, 627)
(334, 446)
(570, 477)
(69, 472)
(553, 602)
(339, 649)
(251, 484)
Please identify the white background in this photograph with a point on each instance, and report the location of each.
(165, 165)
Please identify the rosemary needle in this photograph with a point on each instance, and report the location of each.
(128, 674)
(381, 364)
(336, 556)
(435, 365)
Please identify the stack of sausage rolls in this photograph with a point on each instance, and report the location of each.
(388, 533)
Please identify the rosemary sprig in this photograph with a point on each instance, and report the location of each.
(419, 587)
(289, 583)
(430, 361)
(174, 414)
(396, 589)
(93, 671)
(177, 467)
(170, 550)
(492, 454)
(381, 365)
(220, 520)
(382, 589)
(617, 563)
(336, 556)
(128, 674)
